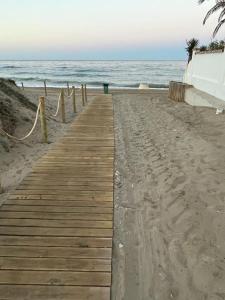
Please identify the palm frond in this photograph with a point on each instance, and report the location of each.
(215, 8)
(221, 15)
(218, 27)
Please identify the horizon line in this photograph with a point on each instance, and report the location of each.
(92, 59)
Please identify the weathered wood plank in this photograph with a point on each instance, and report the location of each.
(55, 278)
(66, 252)
(66, 242)
(47, 231)
(78, 193)
(39, 292)
(56, 223)
(53, 202)
(66, 182)
(49, 215)
(77, 197)
(88, 187)
(55, 264)
(57, 209)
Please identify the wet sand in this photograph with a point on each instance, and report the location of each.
(169, 240)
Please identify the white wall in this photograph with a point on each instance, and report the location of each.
(206, 72)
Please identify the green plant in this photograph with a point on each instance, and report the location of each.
(214, 45)
(191, 45)
(222, 44)
(203, 48)
(220, 5)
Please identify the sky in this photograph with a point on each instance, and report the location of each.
(102, 29)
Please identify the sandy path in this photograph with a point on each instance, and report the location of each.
(169, 200)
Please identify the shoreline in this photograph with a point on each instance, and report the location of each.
(162, 87)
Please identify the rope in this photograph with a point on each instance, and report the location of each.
(31, 131)
(69, 96)
(58, 105)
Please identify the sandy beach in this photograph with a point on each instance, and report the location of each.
(169, 200)
(169, 193)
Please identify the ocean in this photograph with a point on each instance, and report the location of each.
(119, 74)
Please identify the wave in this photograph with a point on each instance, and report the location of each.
(136, 85)
(81, 75)
(10, 67)
(27, 79)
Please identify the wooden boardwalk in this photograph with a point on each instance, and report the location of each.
(56, 228)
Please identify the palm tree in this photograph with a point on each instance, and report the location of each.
(220, 4)
(191, 45)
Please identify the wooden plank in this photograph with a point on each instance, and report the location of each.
(80, 197)
(66, 242)
(57, 252)
(77, 197)
(78, 193)
(39, 292)
(56, 223)
(55, 264)
(88, 187)
(55, 215)
(68, 188)
(67, 181)
(59, 209)
(53, 202)
(55, 278)
(47, 231)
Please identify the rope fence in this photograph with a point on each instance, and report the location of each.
(41, 111)
(27, 135)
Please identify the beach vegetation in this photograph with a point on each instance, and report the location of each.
(191, 45)
(213, 46)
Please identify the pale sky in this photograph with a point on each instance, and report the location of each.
(101, 29)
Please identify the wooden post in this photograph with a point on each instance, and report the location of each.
(82, 89)
(43, 120)
(45, 86)
(22, 85)
(68, 88)
(74, 99)
(62, 100)
(85, 90)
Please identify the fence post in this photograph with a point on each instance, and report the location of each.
(85, 90)
(68, 88)
(74, 99)
(63, 106)
(22, 85)
(46, 94)
(82, 89)
(43, 120)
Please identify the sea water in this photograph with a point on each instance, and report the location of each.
(119, 74)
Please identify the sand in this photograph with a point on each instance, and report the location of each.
(20, 157)
(169, 240)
